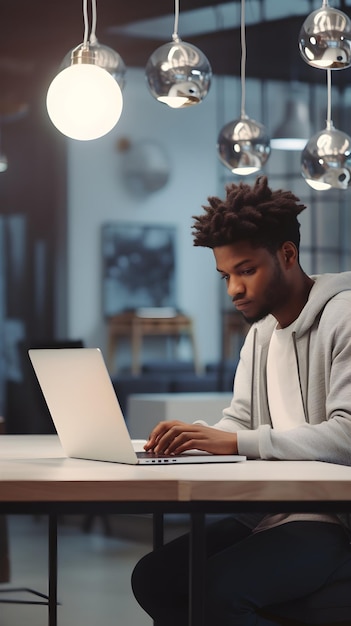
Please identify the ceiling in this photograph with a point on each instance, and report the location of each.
(36, 35)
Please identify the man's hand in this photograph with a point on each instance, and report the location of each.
(174, 437)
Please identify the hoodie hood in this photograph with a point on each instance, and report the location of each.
(326, 287)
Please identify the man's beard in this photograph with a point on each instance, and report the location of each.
(259, 316)
(276, 293)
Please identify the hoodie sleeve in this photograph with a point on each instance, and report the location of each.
(327, 436)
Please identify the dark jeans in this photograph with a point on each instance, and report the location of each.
(244, 571)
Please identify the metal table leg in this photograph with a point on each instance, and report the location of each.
(197, 563)
(52, 601)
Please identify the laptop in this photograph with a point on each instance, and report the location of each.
(86, 413)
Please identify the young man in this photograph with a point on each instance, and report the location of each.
(291, 401)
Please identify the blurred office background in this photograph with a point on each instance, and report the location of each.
(58, 195)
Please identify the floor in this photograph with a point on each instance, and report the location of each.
(93, 572)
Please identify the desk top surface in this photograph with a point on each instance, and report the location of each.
(35, 468)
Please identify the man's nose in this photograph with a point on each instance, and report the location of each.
(235, 286)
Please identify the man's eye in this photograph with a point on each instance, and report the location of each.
(224, 276)
(248, 272)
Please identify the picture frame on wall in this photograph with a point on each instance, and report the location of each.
(138, 266)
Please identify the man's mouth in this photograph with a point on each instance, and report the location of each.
(241, 305)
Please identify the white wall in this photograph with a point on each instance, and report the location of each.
(189, 136)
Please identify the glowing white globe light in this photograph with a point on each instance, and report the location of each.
(84, 102)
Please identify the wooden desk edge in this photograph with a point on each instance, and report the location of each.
(88, 491)
(277, 490)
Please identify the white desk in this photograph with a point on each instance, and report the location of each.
(34, 470)
(35, 476)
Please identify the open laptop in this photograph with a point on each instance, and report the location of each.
(85, 410)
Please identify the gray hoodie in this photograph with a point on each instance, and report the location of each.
(322, 341)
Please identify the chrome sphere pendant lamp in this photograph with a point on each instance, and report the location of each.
(326, 158)
(243, 145)
(178, 74)
(325, 38)
(104, 57)
(84, 101)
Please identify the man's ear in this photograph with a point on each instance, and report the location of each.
(289, 254)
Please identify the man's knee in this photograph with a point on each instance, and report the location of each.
(144, 579)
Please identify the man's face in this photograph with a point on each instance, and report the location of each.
(255, 279)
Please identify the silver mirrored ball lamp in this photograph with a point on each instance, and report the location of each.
(97, 54)
(178, 74)
(326, 160)
(325, 39)
(243, 146)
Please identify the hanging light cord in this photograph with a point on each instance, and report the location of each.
(243, 58)
(92, 38)
(175, 35)
(86, 23)
(93, 22)
(329, 120)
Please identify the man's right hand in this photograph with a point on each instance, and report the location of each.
(175, 437)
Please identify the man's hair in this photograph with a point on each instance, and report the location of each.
(256, 214)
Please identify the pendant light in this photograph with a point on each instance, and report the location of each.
(178, 74)
(104, 57)
(243, 145)
(84, 101)
(325, 38)
(326, 158)
(295, 129)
